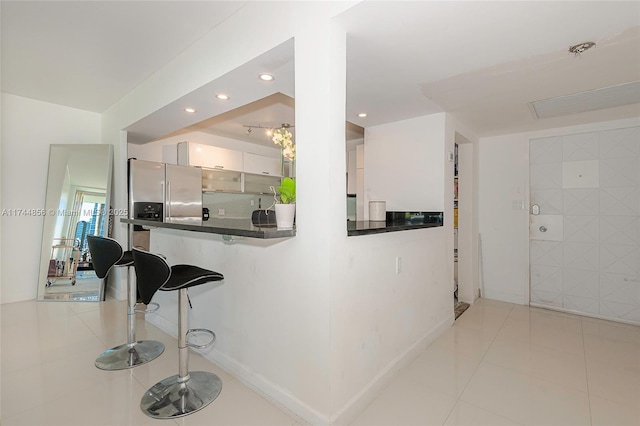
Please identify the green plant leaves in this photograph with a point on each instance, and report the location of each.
(287, 191)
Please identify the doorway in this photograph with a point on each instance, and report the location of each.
(465, 244)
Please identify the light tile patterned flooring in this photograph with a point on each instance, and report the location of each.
(500, 364)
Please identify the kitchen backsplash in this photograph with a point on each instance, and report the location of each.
(237, 206)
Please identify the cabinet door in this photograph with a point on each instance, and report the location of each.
(213, 157)
(261, 165)
(221, 180)
(170, 154)
(260, 184)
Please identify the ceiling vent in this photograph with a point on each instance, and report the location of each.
(591, 100)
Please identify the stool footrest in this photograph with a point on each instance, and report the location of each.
(201, 330)
(151, 308)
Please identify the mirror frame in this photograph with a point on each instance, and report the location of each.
(51, 214)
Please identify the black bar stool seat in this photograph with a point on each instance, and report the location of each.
(107, 253)
(185, 392)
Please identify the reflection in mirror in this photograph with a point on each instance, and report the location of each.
(76, 205)
(355, 171)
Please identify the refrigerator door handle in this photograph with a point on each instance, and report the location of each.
(164, 201)
(168, 199)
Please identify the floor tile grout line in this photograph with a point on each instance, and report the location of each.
(478, 366)
(612, 400)
(104, 343)
(586, 370)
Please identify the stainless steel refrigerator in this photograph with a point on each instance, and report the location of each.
(164, 192)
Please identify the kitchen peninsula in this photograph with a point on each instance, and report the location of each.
(232, 227)
(395, 221)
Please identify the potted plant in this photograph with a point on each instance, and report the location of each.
(286, 193)
(285, 203)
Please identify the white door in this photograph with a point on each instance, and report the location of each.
(584, 223)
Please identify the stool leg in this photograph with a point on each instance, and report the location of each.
(183, 328)
(185, 392)
(132, 353)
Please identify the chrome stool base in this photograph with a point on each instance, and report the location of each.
(169, 399)
(129, 355)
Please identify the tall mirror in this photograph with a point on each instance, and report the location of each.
(76, 205)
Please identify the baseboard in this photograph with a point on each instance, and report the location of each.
(362, 399)
(269, 390)
(297, 408)
(112, 293)
(583, 314)
(504, 297)
(116, 284)
(163, 324)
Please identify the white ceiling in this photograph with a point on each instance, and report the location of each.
(483, 61)
(89, 54)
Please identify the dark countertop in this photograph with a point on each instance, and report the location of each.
(396, 221)
(236, 227)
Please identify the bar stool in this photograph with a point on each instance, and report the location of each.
(185, 392)
(105, 254)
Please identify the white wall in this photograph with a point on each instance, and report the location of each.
(383, 319)
(504, 209)
(275, 298)
(402, 160)
(28, 128)
(295, 299)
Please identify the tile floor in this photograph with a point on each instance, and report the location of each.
(500, 364)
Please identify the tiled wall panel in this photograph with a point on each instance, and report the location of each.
(592, 180)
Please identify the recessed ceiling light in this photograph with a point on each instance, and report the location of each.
(362, 115)
(266, 77)
(189, 110)
(222, 97)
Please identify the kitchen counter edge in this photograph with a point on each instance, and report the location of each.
(251, 232)
(374, 227)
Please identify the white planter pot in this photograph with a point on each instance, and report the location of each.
(285, 214)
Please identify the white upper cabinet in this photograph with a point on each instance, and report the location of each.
(170, 154)
(262, 165)
(193, 154)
